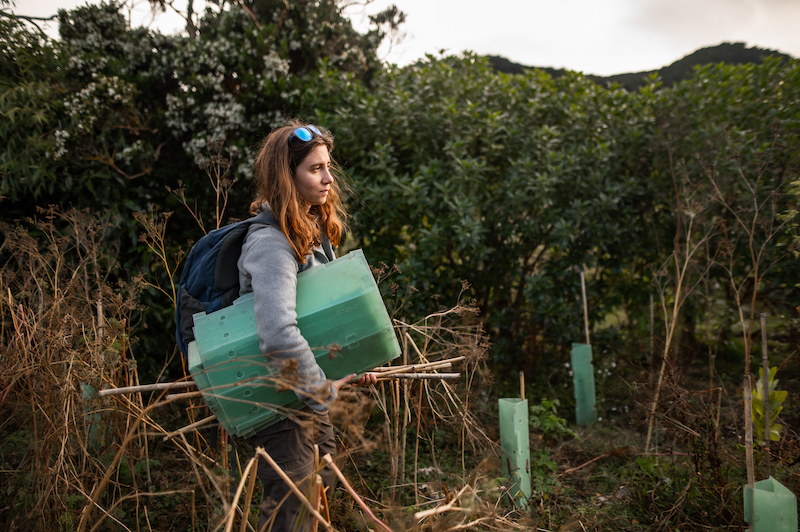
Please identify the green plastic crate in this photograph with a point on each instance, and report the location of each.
(340, 313)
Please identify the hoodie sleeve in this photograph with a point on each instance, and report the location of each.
(268, 268)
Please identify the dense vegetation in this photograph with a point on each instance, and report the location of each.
(682, 197)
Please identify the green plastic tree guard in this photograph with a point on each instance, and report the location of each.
(339, 311)
(583, 379)
(91, 410)
(515, 442)
(770, 507)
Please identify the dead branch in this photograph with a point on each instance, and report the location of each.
(145, 388)
(421, 376)
(189, 428)
(329, 461)
(419, 516)
(292, 486)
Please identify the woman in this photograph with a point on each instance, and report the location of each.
(297, 182)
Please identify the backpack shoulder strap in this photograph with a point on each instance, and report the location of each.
(226, 271)
(327, 247)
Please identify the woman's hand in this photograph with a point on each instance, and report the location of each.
(366, 380)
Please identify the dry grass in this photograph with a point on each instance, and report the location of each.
(75, 461)
(64, 332)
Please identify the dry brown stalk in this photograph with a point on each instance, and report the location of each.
(414, 345)
(593, 460)
(185, 395)
(221, 494)
(472, 524)
(748, 430)
(417, 367)
(420, 376)
(292, 486)
(450, 506)
(324, 497)
(145, 388)
(189, 428)
(252, 464)
(688, 246)
(98, 490)
(320, 499)
(329, 461)
(63, 332)
(409, 367)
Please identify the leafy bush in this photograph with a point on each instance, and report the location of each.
(544, 418)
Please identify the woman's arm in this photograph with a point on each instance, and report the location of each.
(268, 268)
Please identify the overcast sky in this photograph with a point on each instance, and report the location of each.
(593, 36)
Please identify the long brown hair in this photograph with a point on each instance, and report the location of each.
(277, 160)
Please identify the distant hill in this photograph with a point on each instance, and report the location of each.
(730, 53)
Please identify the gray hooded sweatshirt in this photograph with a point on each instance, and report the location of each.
(268, 268)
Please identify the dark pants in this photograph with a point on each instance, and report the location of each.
(291, 444)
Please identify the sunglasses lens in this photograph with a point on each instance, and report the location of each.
(303, 133)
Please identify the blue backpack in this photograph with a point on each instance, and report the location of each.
(210, 278)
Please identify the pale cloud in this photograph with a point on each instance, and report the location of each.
(690, 24)
(592, 36)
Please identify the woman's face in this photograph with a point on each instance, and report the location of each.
(313, 178)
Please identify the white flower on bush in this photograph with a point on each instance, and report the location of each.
(244, 170)
(223, 114)
(180, 114)
(197, 147)
(59, 145)
(99, 98)
(130, 152)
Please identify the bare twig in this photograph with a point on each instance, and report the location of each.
(585, 308)
(416, 367)
(682, 258)
(145, 388)
(189, 428)
(410, 368)
(292, 486)
(419, 516)
(248, 479)
(748, 430)
(329, 461)
(420, 376)
(186, 395)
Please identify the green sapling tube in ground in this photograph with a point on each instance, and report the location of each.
(583, 380)
(515, 441)
(770, 507)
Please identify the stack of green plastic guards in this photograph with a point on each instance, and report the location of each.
(339, 311)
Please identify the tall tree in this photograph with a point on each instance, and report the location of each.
(508, 182)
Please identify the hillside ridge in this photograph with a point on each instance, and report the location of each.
(735, 53)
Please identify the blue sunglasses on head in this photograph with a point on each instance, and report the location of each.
(304, 133)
